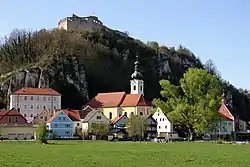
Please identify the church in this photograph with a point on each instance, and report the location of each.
(116, 104)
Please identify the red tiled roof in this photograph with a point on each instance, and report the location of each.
(224, 112)
(113, 99)
(11, 112)
(37, 91)
(74, 115)
(133, 100)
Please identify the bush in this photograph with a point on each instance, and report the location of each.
(41, 134)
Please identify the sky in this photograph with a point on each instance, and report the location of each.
(211, 29)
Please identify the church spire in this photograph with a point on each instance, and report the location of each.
(136, 82)
(136, 74)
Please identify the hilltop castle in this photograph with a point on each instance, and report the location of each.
(82, 23)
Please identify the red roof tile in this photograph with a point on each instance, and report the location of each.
(74, 115)
(132, 100)
(37, 91)
(113, 99)
(11, 112)
(224, 112)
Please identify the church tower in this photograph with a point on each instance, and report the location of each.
(136, 82)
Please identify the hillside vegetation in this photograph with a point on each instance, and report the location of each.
(107, 59)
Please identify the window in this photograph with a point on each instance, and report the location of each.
(166, 127)
(31, 115)
(77, 124)
(54, 98)
(64, 118)
(160, 119)
(9, 119)
(17, 119)
(67, 125)
(141, 113)
(66, 132)
(31, 106)
(134, 87)
(110, 115)
(132, 113)
(55, 125)
(141, 88)
(41, 117)
(31, 97)
(37, 98)
(25, 106)
(54, 107)
(44, 98)
(25, 97)
(159, 127)
(98, 117)
(45, 118)
(37, 107)
(25, 115)
(230, 124)
(125, 113)
(44, 107)
(48, 98)
(59, 118)
(158, 114)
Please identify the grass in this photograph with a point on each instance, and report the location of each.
(122, 154)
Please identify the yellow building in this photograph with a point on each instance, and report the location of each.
(119, 103)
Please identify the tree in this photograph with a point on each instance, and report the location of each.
(136, 126)
(42, 133)
(193, 104)
(99, 129)
(211, 68)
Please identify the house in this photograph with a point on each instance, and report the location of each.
(164, 125)
(43, 116)
(90, 117)
(115, 104)
(151, 130)
(18, 131)
(30, 101)
(118, 124)
(11, 117)
(14, 126)
(60, 125)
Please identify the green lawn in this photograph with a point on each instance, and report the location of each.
(127, 154)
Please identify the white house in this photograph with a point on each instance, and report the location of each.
(164, 126)
(90, 117)
(30, 101)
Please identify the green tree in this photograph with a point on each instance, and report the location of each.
(136, 126)
(193, 104)
(42, 133)
(99, 129)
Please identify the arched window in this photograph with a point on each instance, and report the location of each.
(141, 113)
(132, 113)
(110, 115)
(125, 113)
(24, 115)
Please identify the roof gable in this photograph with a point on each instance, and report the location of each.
(132, 100)
(119, 119)
(160, 114)
(57, 114)
(92, 114)
(12, 112)
(74, 115)
(36, 91)
(225, 113)
(113, 99)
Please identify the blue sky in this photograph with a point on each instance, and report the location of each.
(215, 29)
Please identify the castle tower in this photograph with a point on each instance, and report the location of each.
(136, 82)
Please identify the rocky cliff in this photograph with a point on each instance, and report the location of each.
(80, 64)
